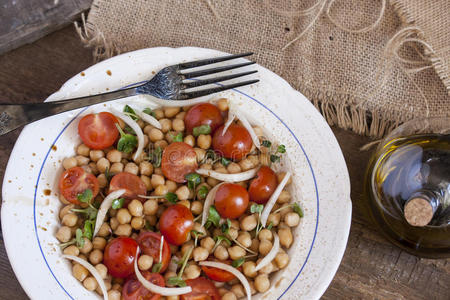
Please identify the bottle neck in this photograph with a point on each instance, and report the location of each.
(420, 208)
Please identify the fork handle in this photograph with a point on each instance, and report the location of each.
(13, 116)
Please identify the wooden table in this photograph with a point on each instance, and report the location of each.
(371, 268)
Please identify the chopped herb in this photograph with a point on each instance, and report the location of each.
(226, 226)
(149, 111)
(108, 174)
(177, 281)
(196, 235)
(130, 112)
(238, 262)
(281, 149)
(127, 142)
(256, 208)
(79, 238)
(156, 268)
(88, 229)
(129, 130)
(202, 192)
(90, 212)
(274, 158)
(270, 226)
(171, 197)
(213, 216)
(178, 137)
(219, 239)
(118, 203)
(266, 143)
(202, 129)
(193, 180)
(210, 154)
(297, 209)
(86, 196)
(225, 161)
(156, 156)
(148, 226)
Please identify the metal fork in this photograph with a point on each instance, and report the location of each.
(168, 84)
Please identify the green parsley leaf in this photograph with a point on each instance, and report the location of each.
(88, 229)
(86, 196)
(266, 143)
(171, 197)
(90, 212)
(156, 156)
(127, 142)
(177, 281)
(193, 180)
(79, 238)
(281, 149)
(178, 137)
(130, 112)
(213, 216)
(256, 208)
(297, 209)
(210, 154)
(108, 174)
(226, 226)
(270, 226)
(202, 129)
(225, 161)
(118, 203)
(202, 192)
(274, 158)
(238, 262)
(197, 233)
(149, 111)
(221, 238)
(156, 268)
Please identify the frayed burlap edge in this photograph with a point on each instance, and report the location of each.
(436, 61)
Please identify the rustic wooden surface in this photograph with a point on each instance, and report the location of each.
(25, 21)
(371, 268)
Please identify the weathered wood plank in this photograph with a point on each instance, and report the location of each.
(25, 21)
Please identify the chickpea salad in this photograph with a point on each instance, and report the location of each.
(179, 202)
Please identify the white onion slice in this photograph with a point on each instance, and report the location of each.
(106, 204)
(273, 199)
(176, 103)
(137, 129)
(93, 271)
(233, 271)
(231, 117)
(148, 118)
(271, 255)
(249, 128)
(208, 202)
(234, 177)
(163, 291)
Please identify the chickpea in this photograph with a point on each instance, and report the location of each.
(161, 190)
(69, 219)
(229, 296)
(255, 245)
(166, 125)
(190, 140)
(102, 181)
(155, 135)
(82, 160)
(131, 168)
(63, 234)
(207, 243)
(114, 156)
(98, 243)
(274, 219)
(267, 269)
(114, 223)
(151, 220)
(199, 152)
(186, 246)
(264, 247)
(123, 216)
(204, 141)
(178, 124)
(246, 164)
(192, 271)
(182, 192)
(72, 250)
(222, 104)
(171, 186)
(159, 113)
(161, 144)
(221, 253)
(147, 182)
(90, 283)
(145, 262)
(65, 210)
(136, 208)
(262, 283)
(137, 223)
(236, 252)
(284, 197)
(114, 295)
(104, 230)
(233, 233)
(87, 247)
(83, 150)
(264, 158)
(249, 269)
(150, 207)
(69, 162)
(117, 285)
(286, 237)
(253, 159)
(169, 274)
(147, 128)
(79, 272)
(171, 112)
(291, 219)
(282, 259)
(102, 270)
(102, 165)
(248, 223)
(95, 155)
(206, 166)
(96, 256)
(233, 168)
(116, 168)
(265, 234)
(212, 181)
(157, 180)
(222, 291)
(245, 239)
(172, 298)
(146, 168)
(185, 203)
(200, 254)
(123, 230)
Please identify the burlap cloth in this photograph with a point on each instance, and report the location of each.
(356, 78)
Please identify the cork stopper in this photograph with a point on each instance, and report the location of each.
(418, 212)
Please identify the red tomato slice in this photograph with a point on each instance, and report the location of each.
(202, 289)
(231, 200)
(178, 160)
(133, 185)
(134, 290)
(150, 243)
(98, 131)
(234, 144)
(218, 274)
(176, 223)
(119, 256)
(263, 186)
(203, 114)
(75, 181)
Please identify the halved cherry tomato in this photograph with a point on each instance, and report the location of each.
(234, 144)
(231, 200)
(134, 290)
(176, 223)
(203, 114)
(263, 186)
(119, 256)
(150, 244)
(202, 289)
(218, 274)
(133, 185)
(75, 181)
(178, 160)
(98, 131)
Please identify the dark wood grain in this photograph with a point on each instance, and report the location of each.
(371, 268)
(25, 21)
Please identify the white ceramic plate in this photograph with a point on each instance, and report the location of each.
(321, 182)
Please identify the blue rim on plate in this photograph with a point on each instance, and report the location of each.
(242, 93)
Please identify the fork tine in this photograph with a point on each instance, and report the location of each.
(216, 79)
(198, 63)
(204, 92)
(214, 70)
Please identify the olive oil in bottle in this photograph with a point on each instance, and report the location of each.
(408, 193)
